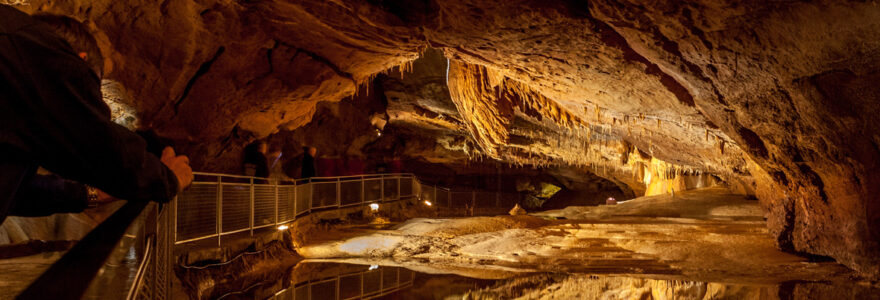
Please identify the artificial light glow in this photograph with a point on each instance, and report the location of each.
(428, 203)
(374, 206)
(283, 227)
(373, 267)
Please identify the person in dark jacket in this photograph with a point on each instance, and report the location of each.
(308, 164)
(255, 162)
(52, 115)
(51, 194)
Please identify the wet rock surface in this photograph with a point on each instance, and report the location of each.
(776, 93)
(719, 238)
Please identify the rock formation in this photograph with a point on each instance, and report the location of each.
(781, 95)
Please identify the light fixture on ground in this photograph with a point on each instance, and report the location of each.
(283, 227)
(428, 203)
(374, 206)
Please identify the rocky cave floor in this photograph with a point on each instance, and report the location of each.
(708, 241)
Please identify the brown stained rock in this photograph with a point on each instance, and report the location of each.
(788, 83)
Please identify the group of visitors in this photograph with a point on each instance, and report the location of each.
(256, 162)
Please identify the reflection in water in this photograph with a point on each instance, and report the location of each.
(335, 280)
(347, 282)
(331, 281)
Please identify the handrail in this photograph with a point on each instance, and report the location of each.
(85, 259)
(303, 179)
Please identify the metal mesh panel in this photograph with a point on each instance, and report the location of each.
(302, 293)
(428, 194)
(406, 186)
(264, 204)
(443, 197)
(406, 275)
(197, 211)
(286, 294)
(303, 196)
(372, 281)
(285, 203)
(391, 192)
(146, 288)
(324, 290)
(236, 207)
(373, 190)
(461, 199)
(510, 199)
(163, 255)
(485, 199)
(324, 194)
(389, 278)
(350, 286)
(350, 192)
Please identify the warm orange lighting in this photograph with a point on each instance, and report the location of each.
(283, 227)
(374, 206)
(428, 203)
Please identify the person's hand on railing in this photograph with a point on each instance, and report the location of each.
(179, 164)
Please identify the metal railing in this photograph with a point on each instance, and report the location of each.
(126, 256)
(367, 284)
(218, 204)
(442, 197)
(129, 254)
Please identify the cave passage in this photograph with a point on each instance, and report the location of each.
(458, 149)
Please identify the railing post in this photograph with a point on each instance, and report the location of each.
(399, 196)
(382, 188)
(219, 209)
(295, 211)
(173, 218)
(251, 224)
(363, 190)
(171, 223)
(338, 192)
(311, 194)
(276, 203)
(473, 201)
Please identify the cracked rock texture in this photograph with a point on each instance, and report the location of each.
(774, 95)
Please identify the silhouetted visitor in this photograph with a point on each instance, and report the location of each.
(394, 165)
(52, 114)
(255, 162)
(308, 164)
